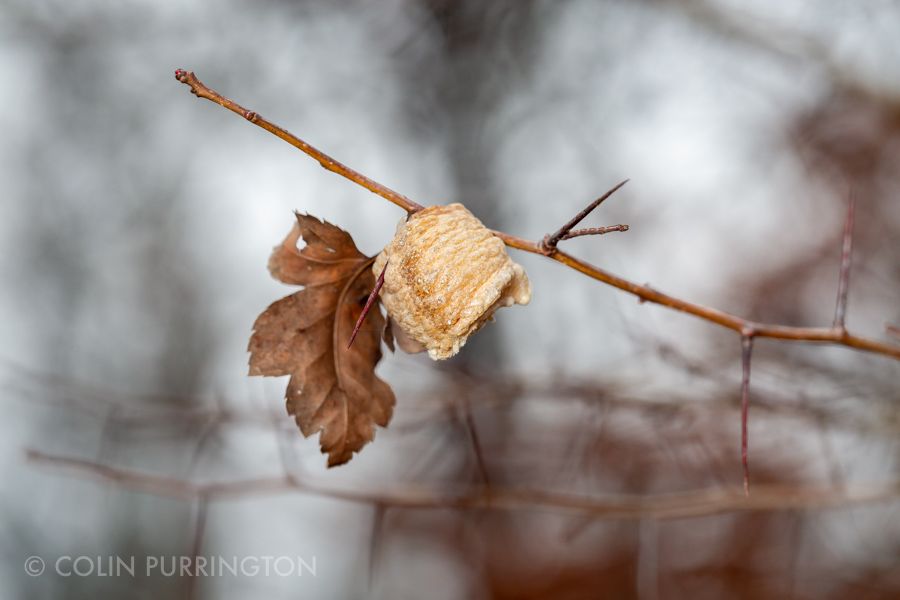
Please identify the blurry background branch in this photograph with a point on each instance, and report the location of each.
(682, 505)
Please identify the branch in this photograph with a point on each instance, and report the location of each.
(718, 317)
(834, 335)
(840, 308)
(201, 91)
(549, 242)
(593, 231)
(682, 505)
(199, 530)
(469, 421)
(746, 353)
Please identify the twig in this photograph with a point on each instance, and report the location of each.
(746, 353)
(593, 231)
(201, 505)
(369, 301)
(644, 292)
(201, 91)
(718, 317)
(840, 308)
(473, 438)
(548, 244)
(504, 390)
(682, 505)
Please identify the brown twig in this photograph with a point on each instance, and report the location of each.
(746, 353)
(474, 439)
(201, 91)
(645, 293)
(593, 231)
(201, 507)
(840, 308)
(548, 244)
(718, 317)
(682, 505)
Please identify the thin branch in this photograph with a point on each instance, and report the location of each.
(647, 294)
(682, 505)
(644, 292)
(201, 506)
(840, 309)
(593, 231)
(503, 390)
(746, 353)
(201, 91)
(473, 438)
(549, 242)
(893, 330)
(369, 301)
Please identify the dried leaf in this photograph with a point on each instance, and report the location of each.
(332, 389)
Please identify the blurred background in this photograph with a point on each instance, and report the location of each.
(137, 221)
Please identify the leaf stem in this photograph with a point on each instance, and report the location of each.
(369, 302)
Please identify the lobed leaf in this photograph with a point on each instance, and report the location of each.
(333, 389)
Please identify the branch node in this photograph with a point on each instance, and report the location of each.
(548, 244)
(545, 246)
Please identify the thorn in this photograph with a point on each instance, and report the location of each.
(548, 244)
(371, 300)
(641, 299)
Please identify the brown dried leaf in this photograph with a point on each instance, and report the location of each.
(332, 389)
